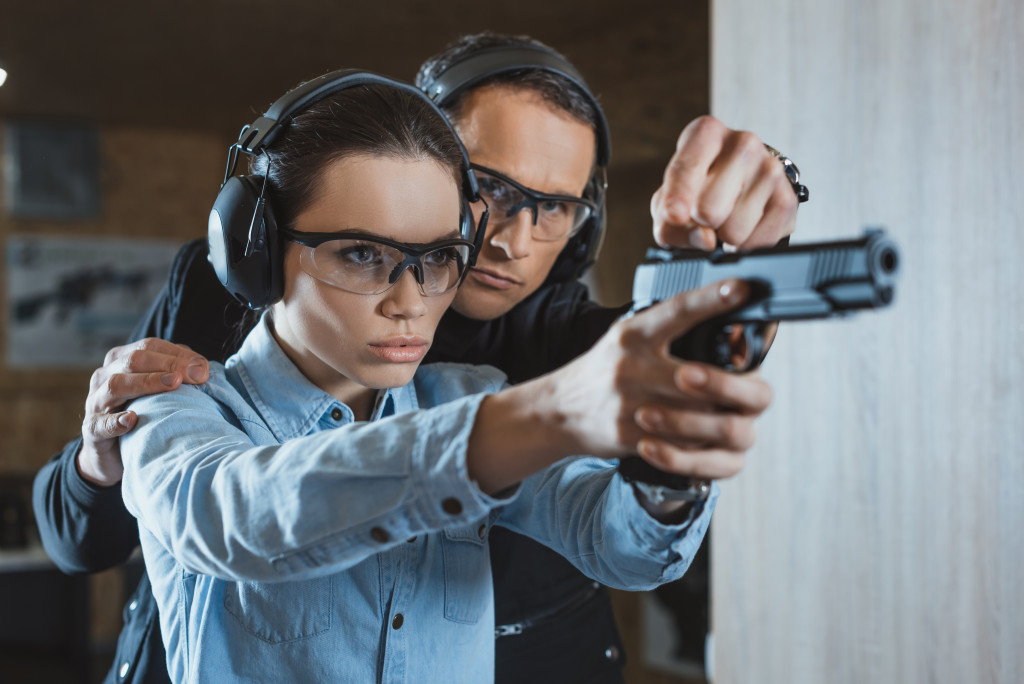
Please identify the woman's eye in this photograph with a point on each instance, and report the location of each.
(441, 257)
(359, 254)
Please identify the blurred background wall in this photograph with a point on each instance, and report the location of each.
(875, 534)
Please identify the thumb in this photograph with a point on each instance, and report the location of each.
(108, 426)
(673, 317)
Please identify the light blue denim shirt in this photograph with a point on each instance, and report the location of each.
(287, 543)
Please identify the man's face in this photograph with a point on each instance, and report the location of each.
(516, 133)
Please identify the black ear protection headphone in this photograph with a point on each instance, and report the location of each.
(581, 251)
(245, 249)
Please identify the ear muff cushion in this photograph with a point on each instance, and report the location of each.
(255, 280)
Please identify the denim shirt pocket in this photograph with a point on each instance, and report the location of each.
(278, 612)
(467, 572)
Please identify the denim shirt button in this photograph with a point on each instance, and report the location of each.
(411, 540)
(451, 506)
(336, 413)
(397, 622)
(482, 531)
(123, 671)
(379, 534)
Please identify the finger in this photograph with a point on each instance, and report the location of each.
(152, 344)
(124, 387)
(706, 464)
(744, 393)
(733, 172)
(104, 427)
(671, 318)
(729, 431)
(765, 211)
(673, 227)
(673, 205)
(150, 356)
(153, 355)
(748, 208)
(778, 219)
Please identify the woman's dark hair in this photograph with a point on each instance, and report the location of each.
(555, 89)
(373, 120)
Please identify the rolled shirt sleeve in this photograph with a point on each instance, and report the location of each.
(583, 509)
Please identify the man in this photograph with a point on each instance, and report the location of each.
(538, 140)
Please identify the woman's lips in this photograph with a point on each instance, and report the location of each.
(492, 279)
(400, 349)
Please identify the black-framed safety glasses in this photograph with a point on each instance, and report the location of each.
(368, 264)
(554, 216)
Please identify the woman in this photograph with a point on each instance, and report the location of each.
(300, 519)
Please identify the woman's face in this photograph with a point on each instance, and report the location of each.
(346, 342)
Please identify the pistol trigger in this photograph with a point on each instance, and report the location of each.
(753, 346)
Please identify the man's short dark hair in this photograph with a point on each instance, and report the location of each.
(555, 89)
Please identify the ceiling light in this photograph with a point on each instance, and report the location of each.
(3, 76)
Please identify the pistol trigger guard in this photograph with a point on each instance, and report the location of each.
(753, 339)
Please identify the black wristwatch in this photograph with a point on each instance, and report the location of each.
(659, 486)
(792, 173)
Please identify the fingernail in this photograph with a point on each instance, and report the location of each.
(169, 379)
(649, 419)
(198, 359)
(125, 419)
(731, 293)
(697, 239)
(196, 373)
(695, 376)
(647, 449)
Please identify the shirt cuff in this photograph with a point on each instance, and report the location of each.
(681, 539)
(82, 492)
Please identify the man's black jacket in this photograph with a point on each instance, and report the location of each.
(559, 625)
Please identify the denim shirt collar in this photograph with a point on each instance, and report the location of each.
(289, 402)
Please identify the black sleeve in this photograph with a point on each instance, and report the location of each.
(543, 332)
(85, 528)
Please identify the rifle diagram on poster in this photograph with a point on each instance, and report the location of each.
(72, 299)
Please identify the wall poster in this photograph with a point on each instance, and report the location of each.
(69, 300)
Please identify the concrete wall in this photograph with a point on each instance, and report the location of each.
(874, 535)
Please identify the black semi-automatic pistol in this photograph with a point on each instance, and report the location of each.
(788, 283)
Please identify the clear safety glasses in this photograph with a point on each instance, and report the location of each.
(554, 216)
(370, 265)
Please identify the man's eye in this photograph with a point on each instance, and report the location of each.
(554, 208)
(496, 190)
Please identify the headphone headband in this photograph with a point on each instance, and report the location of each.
(488, 62)
(262, 132)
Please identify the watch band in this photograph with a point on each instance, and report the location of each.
(792, 173)
(658, 486)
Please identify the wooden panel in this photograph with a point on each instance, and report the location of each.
(874, 534)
